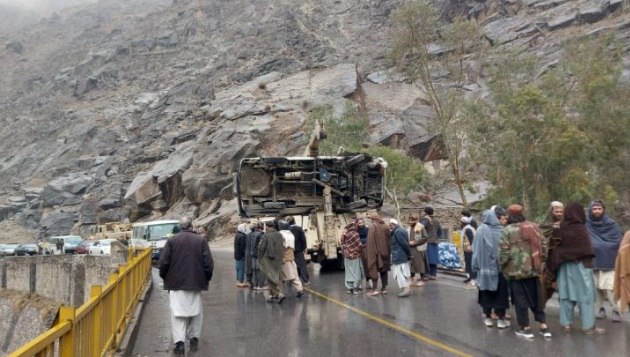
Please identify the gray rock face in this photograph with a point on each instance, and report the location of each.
(15, 46)
(151, 113)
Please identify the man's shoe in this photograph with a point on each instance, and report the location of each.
(349, 291)
(300, 293)
(271, 299)
(616, 317)
(544, 332)
(501, 323)
(280, 298)
(194, 344)
(595, 331)
(528, 334)
(488, 322)
(404, 293)
(374, 293)
(466, 280)
(601, 313)
(357, 291)
(179, 348)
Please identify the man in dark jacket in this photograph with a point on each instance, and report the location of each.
(434, 230)
(240, 247)
(401, 255)
(186, 266)
(300, 248)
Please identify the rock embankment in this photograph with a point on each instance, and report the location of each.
(142, 109)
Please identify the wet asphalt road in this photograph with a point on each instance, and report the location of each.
(440, 319)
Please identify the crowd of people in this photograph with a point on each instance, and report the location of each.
(510, 260)
(578, 254)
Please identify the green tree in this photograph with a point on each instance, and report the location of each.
(425, 47)
(404, 173)
(347, 132)
(559, 135)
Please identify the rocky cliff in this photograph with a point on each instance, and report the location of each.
(142, 108)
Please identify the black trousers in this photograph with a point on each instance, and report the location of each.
(527, 294)
(488, 312)
(384, 277)
(300, 261)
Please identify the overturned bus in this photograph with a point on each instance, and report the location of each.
(323, 193)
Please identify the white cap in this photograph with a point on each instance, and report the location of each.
(393, 221)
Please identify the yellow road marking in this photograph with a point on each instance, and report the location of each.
(392, 325)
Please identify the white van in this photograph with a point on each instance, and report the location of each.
(156, 233)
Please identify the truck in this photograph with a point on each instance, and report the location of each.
(323, 193)
(155, 233)
(111, 230)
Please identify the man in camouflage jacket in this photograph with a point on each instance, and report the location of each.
(522, 254)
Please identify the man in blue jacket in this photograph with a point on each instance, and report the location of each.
(401, 255)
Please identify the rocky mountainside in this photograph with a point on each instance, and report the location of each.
(142, 108)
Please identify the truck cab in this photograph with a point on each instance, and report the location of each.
(155, 233)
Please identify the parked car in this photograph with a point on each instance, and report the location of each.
(84, 247)
(101, 247)
(70, 243)
(26, 249)
(8, 249)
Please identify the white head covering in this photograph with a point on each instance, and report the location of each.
(243, 228)
(393, 221)
(557, 204)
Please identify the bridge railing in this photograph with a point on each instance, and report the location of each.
(96, 327)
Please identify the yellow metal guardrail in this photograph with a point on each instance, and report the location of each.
(96, 327)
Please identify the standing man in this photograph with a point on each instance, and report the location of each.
(351, 246)
(240, 247)
(468, 236)
(493, 288)
(401, 254)
(521, 254)
(258, 278)
(362, 229)
(606, 237)
(300, 248)
(270, 255)
(550, 229)
(289, 272)
(378, 255)
(418, 243)
(186, 266)
(434, 230)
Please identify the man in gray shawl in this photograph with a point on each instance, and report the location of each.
(270, 253)
(606, 237)
(493, 288)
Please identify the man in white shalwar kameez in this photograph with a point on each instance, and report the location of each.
(186, 266)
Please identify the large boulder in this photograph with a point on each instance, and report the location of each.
(75, 183)
(59, 222)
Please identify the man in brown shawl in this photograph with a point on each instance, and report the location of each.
(378, 253)
(621, 288)
(573, 259)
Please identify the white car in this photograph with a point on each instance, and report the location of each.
(101, 247)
